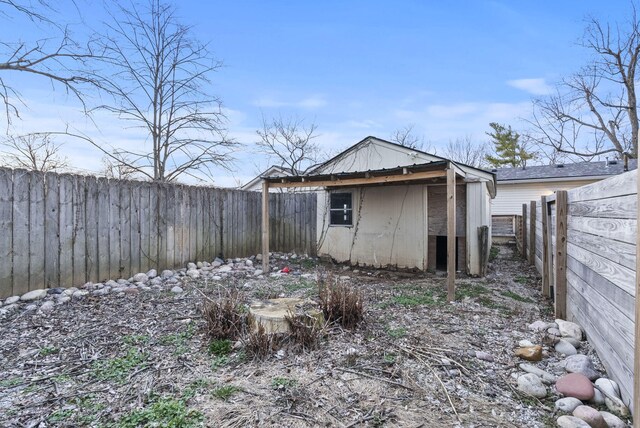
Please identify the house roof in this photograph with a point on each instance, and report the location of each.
(564, 171)
(271, 171)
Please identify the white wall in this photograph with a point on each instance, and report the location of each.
(479, 214)
(510, 197)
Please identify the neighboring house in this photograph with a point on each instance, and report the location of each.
(384, 204)
(518, 186)
(272, 171)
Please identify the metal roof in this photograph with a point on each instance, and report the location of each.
(569, 170)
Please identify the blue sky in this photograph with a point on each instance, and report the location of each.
(357, 68)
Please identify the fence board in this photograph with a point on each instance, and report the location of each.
(6, 237)
(79, 238)
(51, 231)
(91, 229)
(619, 229)
(125, 229)
(21, 181)
(66, 229)
(36, 232)
(104, 245)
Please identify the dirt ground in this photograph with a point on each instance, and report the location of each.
(129, 361)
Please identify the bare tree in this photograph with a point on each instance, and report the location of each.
(406, 136)
(463, 150)
(36, 152)
(56, 57)
(290, 142)
(118, 170)
(159, 77)
(595, 111)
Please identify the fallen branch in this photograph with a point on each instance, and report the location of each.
(375, 378)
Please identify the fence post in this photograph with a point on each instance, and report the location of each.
(561, 254)
(544, 213)
(524, 232)
(532, 233)
(636, 362)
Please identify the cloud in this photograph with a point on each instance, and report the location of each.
(308, 103)
(537, 86)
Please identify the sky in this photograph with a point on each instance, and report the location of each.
(354, 68)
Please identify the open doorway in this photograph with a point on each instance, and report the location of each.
(441, 253)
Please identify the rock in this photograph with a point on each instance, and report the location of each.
(123, 281)
(216, 264)
(581, 364)
(258, 272)
(554, 331)
(10, 308)
(64, 299)
(571, 422)
(225, 268)
(156, 281)
(140, 277)
(564, 347)
(567, 404)
(612, 420)
(529, 353)
(166, 274)
(608, 387)
(532, 385)
(193, 273)
(538, 326)
(47, 306)
(590, 416)
(616, 405)
(33, 295)
(248, 263)
(199, 265)
(111, 283)
(191, 266)
(30, 308)
(177, 290)
(572, 340)
(216, 278)
(80, 293)
(70, 291)
(485, 356)
(569, 329)
(101, 292)
(546, 377)
(152, 274)
(56, 290)
(131, 290)
(575, 385)
(598, 397)
(524, 343)
(11, 300)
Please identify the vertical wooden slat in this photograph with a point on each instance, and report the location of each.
(36, 231)
(544, 212)
(561, 254)
(159, 195)
(451, 234)
(91, 229)
(126, 227)
(51, 230)
(532, 233)
(21, 179)
(6, 232)
(114, 230)
(79, 206)
(104, 244)
(201, 237)
(525, 232)
(636, 361)
(193, 224)
(265, 226)
(170, 203)
(148, 223)
(66, 230)
(135, 190)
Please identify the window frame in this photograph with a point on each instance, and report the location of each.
(343, 210)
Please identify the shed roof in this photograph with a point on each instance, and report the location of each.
(569, 170)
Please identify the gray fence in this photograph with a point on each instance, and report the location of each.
(64, 230)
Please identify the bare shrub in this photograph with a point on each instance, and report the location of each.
(305, 331)
(258, 343)
(225, 317)
(340, 303)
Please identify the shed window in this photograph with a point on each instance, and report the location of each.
(341, 211)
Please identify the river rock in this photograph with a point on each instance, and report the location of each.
(177, 290)
(590, 416)
(529, 353)
(608, 387)
(140, 277)
(581, 364)
(566, 348)
(575, 385)
(567, 404)
(532, 385)
(484, 356)
(47, 306)
(11, 300)
(225, 268)
(152, 273)
(248, 263)
(33, 295)
(538, 326)
(191, 266)
(612, 420)
(598, 397)
(524, 343)
(616, 405)
(193, 273)
(166, 274)
(571, 422)
(80, 293)
(64, 299)
(569, 329)
(258, 272)
(546, 377)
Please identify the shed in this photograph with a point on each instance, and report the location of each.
(383, 204)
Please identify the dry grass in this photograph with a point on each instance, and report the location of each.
(259, 344)
(225, 317)
(306, 332)
(341, 304)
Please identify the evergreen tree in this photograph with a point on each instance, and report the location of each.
(507, 147)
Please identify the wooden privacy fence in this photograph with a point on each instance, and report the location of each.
(65, 230)
(583, 243)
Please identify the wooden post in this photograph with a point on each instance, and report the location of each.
(636, 361)
(451, 234)
(524, 232)
(532, 233)
(561, 254)
(265, 226)
(545, 245)
(483, 243)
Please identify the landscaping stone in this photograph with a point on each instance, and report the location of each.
(177, 290)
(573, 341)
(575, 385)
(140, 277)
(258, 272)
(33, 295)
(166, 274)
(199, 265)
(546, 377)
(530, 353)
(567, 404)
(152, 273)
(566, 348)
(538, 326)
(64, 299)
(11, 300)
(569, 329)
(56, 290)
(485, 356)
(571, 422)
(590, 416)
(616, 406)
(532, 385)
(80, 293)
(612, 420)
(193, 273)
(47, 306)
(598, 397)
(191, 266)
(248, 263)
(30, 308)
(581, 364)
(608, 386)
(225, 268)
(524, 343)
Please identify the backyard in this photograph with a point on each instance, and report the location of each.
(144, 358)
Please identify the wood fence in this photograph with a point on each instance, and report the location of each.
(583, 243)
(65, 230)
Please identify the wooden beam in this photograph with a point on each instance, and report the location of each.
(546, 259)
(532, 233)
(338, 182)
(561, 254)
(524, 232)
(451, 234)
(265, 226)
(636, 361)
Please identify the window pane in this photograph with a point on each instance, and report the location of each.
(341, 209)
(339, 200)
(341, 217)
